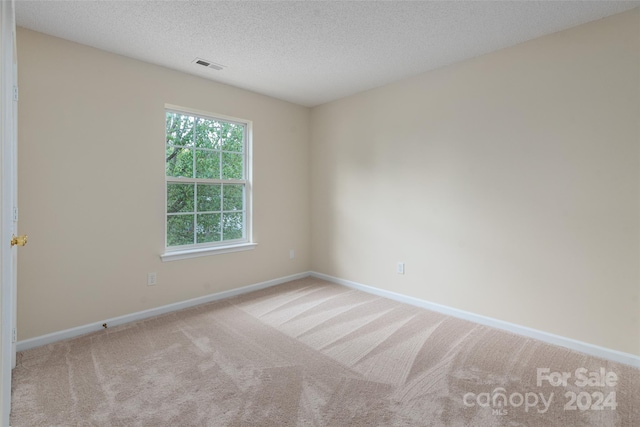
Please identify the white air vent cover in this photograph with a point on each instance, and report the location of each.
(208, 64)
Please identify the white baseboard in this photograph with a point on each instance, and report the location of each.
(590, 349)
(583, 347)
(127, 318)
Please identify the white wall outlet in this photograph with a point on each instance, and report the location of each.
(400, 268)
(292, 253)
(152, 279)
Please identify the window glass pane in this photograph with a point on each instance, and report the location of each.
(207, 164)
(208, 228)
(232, 166)
(179, 197)
(233, 197)
(179, 129)
(179, 230)
(209, 197)
(179, 162)
(232, 225)
(232, 137)
(208, 134)
(204, 149)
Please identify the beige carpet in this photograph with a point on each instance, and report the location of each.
(310, 353)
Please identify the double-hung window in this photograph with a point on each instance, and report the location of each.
(208, 187)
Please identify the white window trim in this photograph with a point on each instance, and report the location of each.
(222, 247)
(211, 250)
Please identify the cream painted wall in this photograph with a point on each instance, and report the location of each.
(91, 186)
(508, 184)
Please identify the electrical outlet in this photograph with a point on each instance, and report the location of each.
(400, 268)
(151, 279)
(292, 253)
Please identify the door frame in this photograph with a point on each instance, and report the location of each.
(8, 202)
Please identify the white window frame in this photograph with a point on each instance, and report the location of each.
(172, 253)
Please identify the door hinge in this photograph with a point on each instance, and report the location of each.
(15, 93)
(14, 335)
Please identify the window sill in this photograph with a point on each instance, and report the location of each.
(194, 253)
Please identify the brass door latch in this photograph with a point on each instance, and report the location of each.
(19, 240)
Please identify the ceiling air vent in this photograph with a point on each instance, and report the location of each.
(208, 64)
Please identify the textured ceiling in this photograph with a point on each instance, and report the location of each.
(307, 52)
